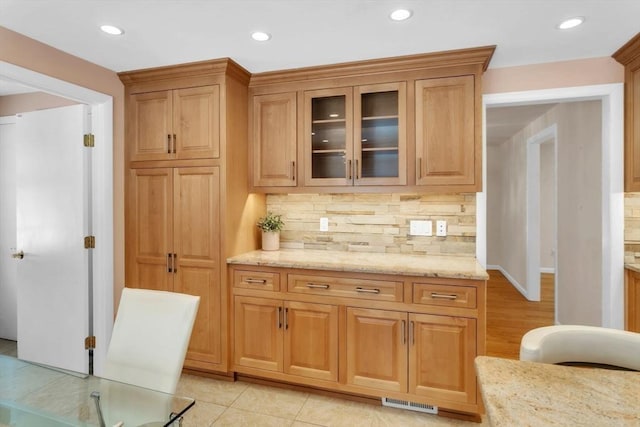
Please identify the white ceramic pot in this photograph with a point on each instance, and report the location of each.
(270, 240)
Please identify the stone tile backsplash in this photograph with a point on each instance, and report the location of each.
(631, 227)
(376, 222)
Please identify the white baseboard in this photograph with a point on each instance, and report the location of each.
(550, 270)
(510, 278)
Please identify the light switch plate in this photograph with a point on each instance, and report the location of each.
(441, 228)
(420, 228)
(324, 224)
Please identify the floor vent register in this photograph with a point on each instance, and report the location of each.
(412, 406)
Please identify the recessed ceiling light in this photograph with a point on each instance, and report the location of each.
(571, 23)
(400, 14)
(112, 30)
(260, 36)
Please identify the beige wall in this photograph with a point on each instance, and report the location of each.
(579, 208)
(22, 103)
(33, 55)
(581, 72)
(376, 222)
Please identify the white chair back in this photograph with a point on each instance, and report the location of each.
(585, 344)
(150, 338)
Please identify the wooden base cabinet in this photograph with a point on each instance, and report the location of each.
(285, 336)
(441, 354)
(632, 301)
(424, 355)
(379, 335)
(174, 221)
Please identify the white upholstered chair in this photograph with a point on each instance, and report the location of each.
(582, 344)
(148, 345)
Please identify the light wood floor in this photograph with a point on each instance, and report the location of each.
(510, 315)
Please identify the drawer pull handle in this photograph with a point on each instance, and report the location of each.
(317, 286)
(368, 291)
(444, 296)
(257, 281)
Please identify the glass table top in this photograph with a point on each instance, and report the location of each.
(37, 396)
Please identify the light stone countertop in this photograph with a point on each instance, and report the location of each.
(517, 393)
(632, 266)
(454, 267)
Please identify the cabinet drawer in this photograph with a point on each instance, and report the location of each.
(451, 296)
(380, 290)
(260, 280)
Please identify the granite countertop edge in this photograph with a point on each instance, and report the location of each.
(436, 266)
(632, 266)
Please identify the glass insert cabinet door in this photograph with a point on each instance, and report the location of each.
(355, 136)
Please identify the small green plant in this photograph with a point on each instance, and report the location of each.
(270, 222)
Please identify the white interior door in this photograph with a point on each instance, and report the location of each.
(52, 220)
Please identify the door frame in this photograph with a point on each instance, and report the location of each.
(533, 211)
(612, 98)
(102, 201)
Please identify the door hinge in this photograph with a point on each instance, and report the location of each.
(90, 343)
(90, 242)
(89, 140)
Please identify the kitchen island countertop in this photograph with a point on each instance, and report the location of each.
(518, 393)
(454, 267)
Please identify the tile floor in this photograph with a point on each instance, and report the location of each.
(224, 403)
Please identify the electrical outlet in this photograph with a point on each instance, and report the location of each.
(441, 228)
(324, 224)
(420, 228)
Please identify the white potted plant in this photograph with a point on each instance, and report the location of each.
(270, 224)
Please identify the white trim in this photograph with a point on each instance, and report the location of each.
(612, 99)
(510, 278)
(533, 207)
(102, 122)
(549, 270)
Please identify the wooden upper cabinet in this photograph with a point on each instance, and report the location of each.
(447, 152)
(355, 136)
(629, 56)
(274, 144)
(175, 124)
(196, 122)
(328, 137)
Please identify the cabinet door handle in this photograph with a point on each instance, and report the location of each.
(357, 170)
(367, 291)
(279, 319)
(175, 143)
(175, 262)
(412, 335)
(403, 338)
(317, 286)
(256, 281)
(169, 264)
(168, 143)
(286, 320)
(349, 170)
(419, 167)
(293, 171)
(452, 297)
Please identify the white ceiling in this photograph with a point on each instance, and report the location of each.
(313, 32)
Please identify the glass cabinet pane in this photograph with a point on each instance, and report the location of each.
(379, 134)
(328, 137)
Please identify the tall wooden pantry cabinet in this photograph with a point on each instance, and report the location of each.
(187, 206)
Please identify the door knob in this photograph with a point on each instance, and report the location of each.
(18, 255)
